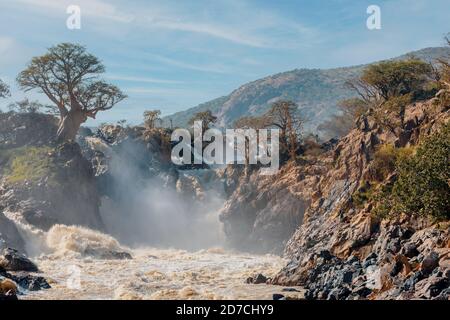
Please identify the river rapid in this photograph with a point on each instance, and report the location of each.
(73, 262)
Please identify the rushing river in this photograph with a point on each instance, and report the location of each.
(70, 260)
(158, 274)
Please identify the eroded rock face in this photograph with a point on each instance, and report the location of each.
(121, 155)
(398, 258)
(60, 187)
(66, 195)
(262, 212)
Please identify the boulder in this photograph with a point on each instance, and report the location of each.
(410, 250)
(8, 289)
(12, 260)
(257, 279)
(30, 282)
(430, 263)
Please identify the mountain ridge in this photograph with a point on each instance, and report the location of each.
(316, 91)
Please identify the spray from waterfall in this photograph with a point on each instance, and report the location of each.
(151, 204)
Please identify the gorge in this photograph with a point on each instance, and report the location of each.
(110, 216)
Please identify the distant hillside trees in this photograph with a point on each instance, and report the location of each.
(339, 125)
(206, 117)
(284, 116)
(31, 106)
(382, 89)
(151, 118)
(388, 79)
(443, 95)
(69, 77)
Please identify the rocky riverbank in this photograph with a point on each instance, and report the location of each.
(340, 249)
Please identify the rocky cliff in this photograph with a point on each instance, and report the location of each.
(341, 250)
(41, 183)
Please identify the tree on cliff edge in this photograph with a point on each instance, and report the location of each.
(69, 77)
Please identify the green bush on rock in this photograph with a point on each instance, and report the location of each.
(27, 164)
(422, 186)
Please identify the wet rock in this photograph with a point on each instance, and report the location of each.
(370, 260)
(30, 282)
(444, 295)
(277, 296)
(352, 259)
(309, 295)
(257, 279)
(109, 255)
(347, 277)
(8, 289)
(12, 260)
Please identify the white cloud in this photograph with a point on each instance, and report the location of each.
(190, 66)
(216, 31)
(93, 8)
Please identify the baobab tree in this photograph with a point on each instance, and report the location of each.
(284, 115)
(69, 77)
(151, 117)
(206, 117)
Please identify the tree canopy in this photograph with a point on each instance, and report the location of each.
(387, 79)
(69, 77)
(206, 117)
(151, 117)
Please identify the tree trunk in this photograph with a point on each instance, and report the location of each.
(70, 124)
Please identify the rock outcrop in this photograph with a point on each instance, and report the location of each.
(42, 183)
(345, 252)
(15, 276)
(338, 250)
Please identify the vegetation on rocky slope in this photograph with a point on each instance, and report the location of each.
(28, 164)
(422, 186)
(317, 92)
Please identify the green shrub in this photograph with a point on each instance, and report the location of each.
(363, 194)
(28, 164)
(423, 180)
(397, 77)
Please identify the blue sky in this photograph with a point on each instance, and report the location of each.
(173, 55)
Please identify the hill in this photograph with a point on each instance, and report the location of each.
(317, 92)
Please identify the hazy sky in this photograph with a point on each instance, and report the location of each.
(173, 55)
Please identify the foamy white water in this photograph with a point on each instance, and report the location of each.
(160, 274)
(151, 274)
